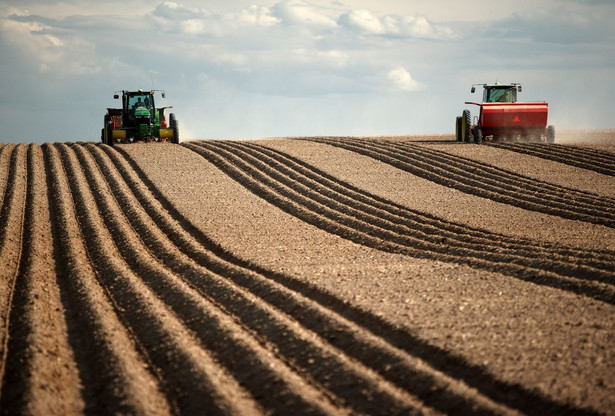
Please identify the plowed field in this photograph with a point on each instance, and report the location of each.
(402, 275)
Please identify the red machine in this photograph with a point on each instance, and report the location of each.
(501, 117)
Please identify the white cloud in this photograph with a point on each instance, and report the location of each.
(364, 21)
(258, 15)
(297, 12)
(402, 79)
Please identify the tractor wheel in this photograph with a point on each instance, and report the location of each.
(110, 133)
(550, 134)
(478, 135)
(466, 124)
(458, 134)
(174, 125)
(103, 135)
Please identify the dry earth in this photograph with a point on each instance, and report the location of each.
(389, 275)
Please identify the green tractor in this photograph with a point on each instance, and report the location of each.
(139, 120)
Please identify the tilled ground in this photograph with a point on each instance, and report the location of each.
(402, 275)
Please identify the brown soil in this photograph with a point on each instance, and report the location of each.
(389, 275)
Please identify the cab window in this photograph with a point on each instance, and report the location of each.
(500, 95)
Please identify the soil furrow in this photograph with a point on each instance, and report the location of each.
(5, 164)
(472, 185)
(400, 214)
(213, 287)
(41, 376)
(264, 322)
(113, 375)
(399, 220)
(12, 216)
(500, 180)
(495, 175)
(512, 395)
(304, 356)
(601, 162)
(190, 377)
(356, 229)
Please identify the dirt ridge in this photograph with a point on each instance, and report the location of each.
(290, 304)
(459, 173)
(368, 229)
(12, 223)
(591, 159)
(113, 302)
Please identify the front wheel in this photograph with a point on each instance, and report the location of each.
(550, 134)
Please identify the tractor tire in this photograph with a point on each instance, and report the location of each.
(174, 125)
(478, 135)
(109, 133)
(103, 135)
(466, 123)
(458, 131)
(550, 134)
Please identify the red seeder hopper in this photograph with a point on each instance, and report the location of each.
(501, 117)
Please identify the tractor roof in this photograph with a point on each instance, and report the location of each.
(139, 92)
(496, 85)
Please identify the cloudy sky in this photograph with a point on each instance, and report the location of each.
(270, 68)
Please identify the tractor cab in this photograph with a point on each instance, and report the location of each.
(132, 100)
(499, 93)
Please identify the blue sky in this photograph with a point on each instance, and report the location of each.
(258, 68)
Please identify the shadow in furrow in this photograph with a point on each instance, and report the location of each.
(512, 395)
(505, 179)
(426, 223)
(357, 230)
(96, 363)
(13, 390)
(191, 390)
(469, 182)
(590, 159)
(314, 360)
(443, 237)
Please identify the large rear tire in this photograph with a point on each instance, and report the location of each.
(478, 135)
(466, 123)
(458, 133)
(550, 134)
(174, 125)
(110, 133)
(103, 132)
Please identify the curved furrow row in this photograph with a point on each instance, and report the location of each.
(432, 374)
(406, 221)
(183, 335)
(12, 216)
(460, 176)
(494, 175)
(357, 385)
(355, 225)
(41, 375)
(5, 163)
(112, 372)
(299, 347)
(590, 159)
